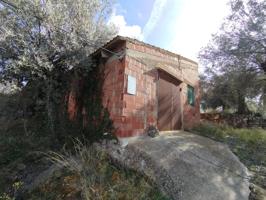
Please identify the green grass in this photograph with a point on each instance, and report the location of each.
(248, 144)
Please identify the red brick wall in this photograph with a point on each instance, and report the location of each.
(139, 110)
(191, 114)
(138, 115)
(113, 86)
(131, 114)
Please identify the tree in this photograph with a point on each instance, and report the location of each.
(240, 46)
(229, 90)
(41, 41)
(38, 36)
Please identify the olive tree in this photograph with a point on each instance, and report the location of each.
(239, 47)
(42, 40)
(37, 36)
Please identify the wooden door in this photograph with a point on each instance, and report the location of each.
(176, 109)
(169, 112)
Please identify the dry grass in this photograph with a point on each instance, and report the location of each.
(99, 180)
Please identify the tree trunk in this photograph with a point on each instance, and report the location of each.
(264, 98)
(49, 106)
(263, 67)
(242, 107)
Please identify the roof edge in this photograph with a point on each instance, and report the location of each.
(132, 40)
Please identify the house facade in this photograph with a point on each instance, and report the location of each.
(148, 86)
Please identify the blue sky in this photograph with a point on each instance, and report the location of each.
(181, 26)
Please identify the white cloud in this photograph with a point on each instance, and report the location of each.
(133, 31)
(155, 16)
(195, 24)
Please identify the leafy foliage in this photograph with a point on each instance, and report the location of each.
(229, 90)
(38, 37)
(43, 45)
(236, 56)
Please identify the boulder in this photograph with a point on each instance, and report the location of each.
(186, 166)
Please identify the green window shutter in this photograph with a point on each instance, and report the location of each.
(190, 95)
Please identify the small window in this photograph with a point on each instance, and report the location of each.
(190, 95)
(131, 85)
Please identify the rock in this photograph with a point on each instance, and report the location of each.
(21, 166)
(152, 131)
(186, 166)
(43, 177)
(257, 193)
(58, 173)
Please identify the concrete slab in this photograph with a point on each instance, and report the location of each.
(186, 166)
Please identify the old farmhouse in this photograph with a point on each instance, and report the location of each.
(145, 85)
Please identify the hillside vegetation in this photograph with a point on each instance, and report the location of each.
(34, 164)
(248, 144)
